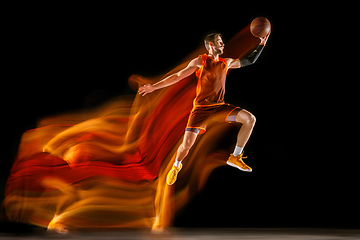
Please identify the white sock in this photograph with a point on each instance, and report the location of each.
(177, 164)
(237, 151)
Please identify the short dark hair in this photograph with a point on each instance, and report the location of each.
(210, 38)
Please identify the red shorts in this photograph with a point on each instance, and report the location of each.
(200, 115)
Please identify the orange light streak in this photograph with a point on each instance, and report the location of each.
(107, 168)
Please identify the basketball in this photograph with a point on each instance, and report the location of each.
(260, 27)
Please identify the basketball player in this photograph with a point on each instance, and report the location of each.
(211, 71)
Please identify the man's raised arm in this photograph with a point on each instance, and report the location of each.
(251, 59)
(173, 78)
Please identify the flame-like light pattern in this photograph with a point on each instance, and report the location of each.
(107, 167)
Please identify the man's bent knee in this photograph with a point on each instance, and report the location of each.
(246, 117)
(252, 119)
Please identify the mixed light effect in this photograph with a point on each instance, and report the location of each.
(106, 168)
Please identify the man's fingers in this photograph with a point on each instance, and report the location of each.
(142, 91)
(268, 34)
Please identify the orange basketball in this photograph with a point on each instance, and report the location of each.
(260, 27)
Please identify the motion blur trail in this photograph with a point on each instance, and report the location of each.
(106, 167)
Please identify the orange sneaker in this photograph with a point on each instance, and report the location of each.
(238, 162)
(172, 175)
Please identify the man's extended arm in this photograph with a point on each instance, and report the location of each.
(172, 79)
(251, 59)
(237, 63)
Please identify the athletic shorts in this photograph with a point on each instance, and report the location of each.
(200, 115)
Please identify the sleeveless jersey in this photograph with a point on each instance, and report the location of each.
(211, 75)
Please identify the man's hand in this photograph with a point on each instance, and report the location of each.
(148, 88)
(264, 39)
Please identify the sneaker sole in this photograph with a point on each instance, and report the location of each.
(175, 179)
(169, 183)
(236, 166)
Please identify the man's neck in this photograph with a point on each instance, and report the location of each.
(214, 56)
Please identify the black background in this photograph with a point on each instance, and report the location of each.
(62, 58)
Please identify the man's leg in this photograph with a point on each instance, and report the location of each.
(184, 148)
(248, 120)
(236, 159)
(182, 152)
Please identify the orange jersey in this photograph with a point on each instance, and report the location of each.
(210, 89)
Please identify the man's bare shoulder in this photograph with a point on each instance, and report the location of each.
(232, 63)
(229, 60)
(196, 62)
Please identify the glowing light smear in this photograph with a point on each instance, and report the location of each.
(107, 167)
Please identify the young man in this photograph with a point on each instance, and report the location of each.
(211, 71)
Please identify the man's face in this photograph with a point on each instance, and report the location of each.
(219, 46)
